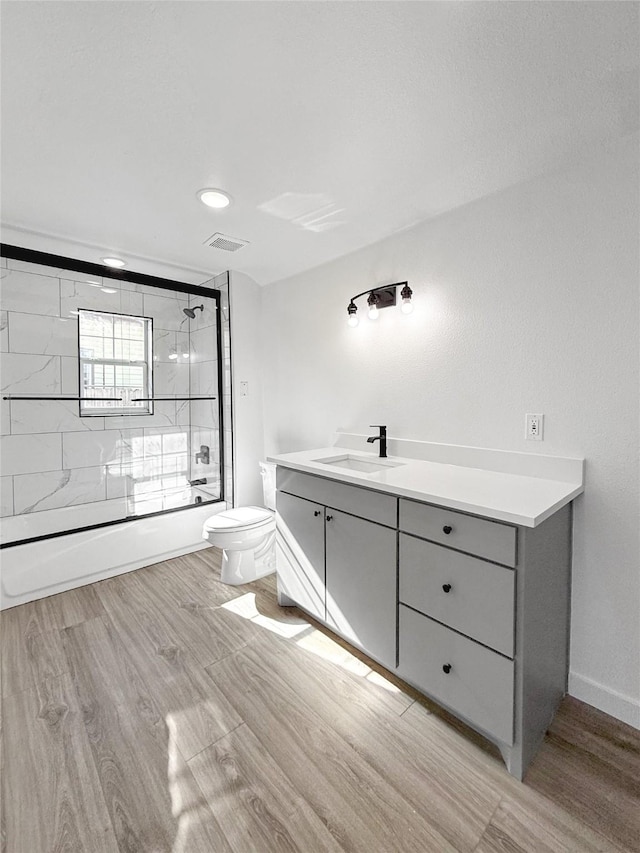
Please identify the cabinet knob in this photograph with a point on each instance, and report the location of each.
(446, 587)
(447, 529)
(329, 518)
(317, 512)
(446, 668)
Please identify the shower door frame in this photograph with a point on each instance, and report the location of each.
(18, 253)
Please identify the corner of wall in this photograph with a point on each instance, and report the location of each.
(247, 387)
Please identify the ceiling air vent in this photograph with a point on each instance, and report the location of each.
(226, 243)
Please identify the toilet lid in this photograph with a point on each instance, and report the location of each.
(239, 518)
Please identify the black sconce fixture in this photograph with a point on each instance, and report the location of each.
(378, 298)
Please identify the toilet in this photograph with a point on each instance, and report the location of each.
(246, 535)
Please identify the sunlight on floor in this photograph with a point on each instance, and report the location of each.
(310, 639)
(188, 804)
(190, 725)
(322, 646)
(245, 606)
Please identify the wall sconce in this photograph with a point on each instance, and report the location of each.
(378, 298)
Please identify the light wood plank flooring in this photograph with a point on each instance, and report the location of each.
(163, 711)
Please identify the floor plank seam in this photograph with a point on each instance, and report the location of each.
(484, 831)
(34, 688)
(230, 654)
(213, 742)
(404, 711)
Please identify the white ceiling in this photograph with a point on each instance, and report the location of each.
(331, 124)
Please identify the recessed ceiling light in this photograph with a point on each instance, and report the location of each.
(113, 262)
(214, 198)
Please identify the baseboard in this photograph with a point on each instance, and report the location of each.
(618, 705)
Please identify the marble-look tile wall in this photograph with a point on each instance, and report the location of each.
(50, 457)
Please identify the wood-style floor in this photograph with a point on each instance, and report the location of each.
(162, 711)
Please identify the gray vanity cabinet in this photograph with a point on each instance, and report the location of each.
(336, 558)
(472, 611)
(361, 584)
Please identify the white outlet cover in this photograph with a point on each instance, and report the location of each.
(534, 427)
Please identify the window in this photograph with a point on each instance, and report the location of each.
(115, 364)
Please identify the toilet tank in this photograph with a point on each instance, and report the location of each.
(268, 471)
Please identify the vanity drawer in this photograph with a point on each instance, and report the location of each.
(479, 684)
(492, 540)
(474, 597)
(354, 500)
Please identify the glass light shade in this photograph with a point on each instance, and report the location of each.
(214, 198)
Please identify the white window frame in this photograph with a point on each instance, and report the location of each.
(114, 409)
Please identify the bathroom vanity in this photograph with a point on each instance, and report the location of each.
(456, 578)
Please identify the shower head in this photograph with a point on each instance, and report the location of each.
(191, 312)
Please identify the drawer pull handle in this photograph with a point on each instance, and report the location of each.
(447, 529)
(317, 512)
(329, 518)
(446, 587)
(446, 668)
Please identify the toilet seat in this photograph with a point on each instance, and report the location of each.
(239, 519)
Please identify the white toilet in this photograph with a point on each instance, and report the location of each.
(247, 535)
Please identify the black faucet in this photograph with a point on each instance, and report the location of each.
(382, 438)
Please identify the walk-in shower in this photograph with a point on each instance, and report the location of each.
(113, 404)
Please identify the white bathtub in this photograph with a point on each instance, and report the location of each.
(65, 560)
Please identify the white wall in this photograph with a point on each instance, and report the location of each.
(525, 301)
(248, 426)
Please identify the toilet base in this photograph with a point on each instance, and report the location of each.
(240, 567)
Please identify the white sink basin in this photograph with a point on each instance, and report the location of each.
(364, 464)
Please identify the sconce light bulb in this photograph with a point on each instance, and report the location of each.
(352, 314)
(352, 320)
(185, 355)
(173, 355)
(405, 294)
(372, 302)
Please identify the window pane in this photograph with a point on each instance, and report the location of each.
(115, 362)
(92, 347)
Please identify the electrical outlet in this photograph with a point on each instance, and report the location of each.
(534, 427)
(244, 389)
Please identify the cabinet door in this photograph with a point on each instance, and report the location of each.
(300, 552)
(361, 584)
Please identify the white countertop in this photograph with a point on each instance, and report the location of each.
(515, 498)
